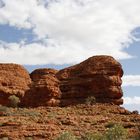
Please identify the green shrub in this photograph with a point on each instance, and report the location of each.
(66, 136)
(135, 112)
(14, 101)
(110, 124)
(4, 138)
(28, 138)
(90, 136)
(117, 132)
(90, 100)
(3, 108)
(138, 136)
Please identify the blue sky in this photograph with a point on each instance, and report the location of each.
(12, 34)
(57, 34)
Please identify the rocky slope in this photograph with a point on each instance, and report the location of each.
(47, 123)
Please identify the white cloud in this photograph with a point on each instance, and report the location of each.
(70, 30)
(131, 80)
(132, 103)
(1, 4)
(37, 53)
(132, 100)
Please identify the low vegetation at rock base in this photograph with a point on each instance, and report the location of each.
(66, 136)
(117, 132)
(14, 101)
(90, 100)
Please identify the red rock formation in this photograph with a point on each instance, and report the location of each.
(44, 90)
(98, 76)
(14, 80)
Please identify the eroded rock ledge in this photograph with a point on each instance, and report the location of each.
(98, 76)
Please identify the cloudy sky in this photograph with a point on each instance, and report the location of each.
(59, 33)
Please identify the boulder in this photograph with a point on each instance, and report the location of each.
(98, 76)
(14, 80)
(44, 90)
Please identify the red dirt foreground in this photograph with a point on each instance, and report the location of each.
(98, 76)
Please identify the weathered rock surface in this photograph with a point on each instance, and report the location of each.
(14, 80)
(44, 89)
(98, 76)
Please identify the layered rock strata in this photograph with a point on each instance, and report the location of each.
(44, 90)
(98, 76)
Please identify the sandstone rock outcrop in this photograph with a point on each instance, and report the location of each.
(44, 90)
(14, 80)
(98, 76)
